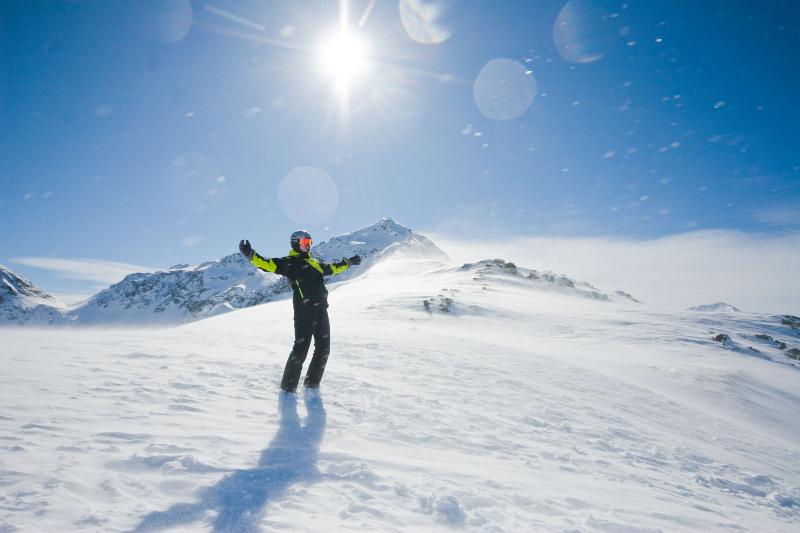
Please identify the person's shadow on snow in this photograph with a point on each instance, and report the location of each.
(239, 498)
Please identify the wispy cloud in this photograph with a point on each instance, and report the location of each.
(783, 215)
(96, 270)
(754, 272)
(71, 298)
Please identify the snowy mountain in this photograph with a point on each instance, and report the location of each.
(23, 302)
(719, 307)
(185, 293)
(381, 240)
(494, 270)
(529, 405)
(180, 294)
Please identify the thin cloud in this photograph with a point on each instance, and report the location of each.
(784, 215)
(95, 270)
(756, 273)
(70, 298)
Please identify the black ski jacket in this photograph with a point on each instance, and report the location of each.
(305, 274)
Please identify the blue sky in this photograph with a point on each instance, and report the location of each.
(145, 134)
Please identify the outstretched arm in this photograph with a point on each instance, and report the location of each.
(329, 269)
(270, 265)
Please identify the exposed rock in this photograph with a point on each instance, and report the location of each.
(722, 338)
(627, 296)
(505, 270)
(719, 307)
(791, 321)
(440, 303)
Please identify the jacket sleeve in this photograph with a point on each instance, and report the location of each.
(331, 269)
(276, 265)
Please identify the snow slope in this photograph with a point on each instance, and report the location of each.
(514, 407)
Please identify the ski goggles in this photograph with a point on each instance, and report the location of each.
(305, 242)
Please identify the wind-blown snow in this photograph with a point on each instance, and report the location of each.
(719, 307)
(519, 409)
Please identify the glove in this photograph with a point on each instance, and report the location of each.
(246, 249)
(355, 260)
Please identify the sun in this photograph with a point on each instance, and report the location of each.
(342, 59)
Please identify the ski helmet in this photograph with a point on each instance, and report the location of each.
(294, 240)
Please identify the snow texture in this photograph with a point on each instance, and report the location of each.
(532, 405)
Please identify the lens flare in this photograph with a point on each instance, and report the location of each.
(504, 89)
(342, 58)
(308, 195)
(583, 31)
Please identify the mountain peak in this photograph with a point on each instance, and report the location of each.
(15, 286)
(388, 224)
(21, 301)
(379, 240)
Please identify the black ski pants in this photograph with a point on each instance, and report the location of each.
(309, 321)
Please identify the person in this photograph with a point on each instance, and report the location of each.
(310, 301)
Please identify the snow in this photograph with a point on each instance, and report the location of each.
(526, 409)
(719, 307)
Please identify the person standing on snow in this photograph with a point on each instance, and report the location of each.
(306, 276)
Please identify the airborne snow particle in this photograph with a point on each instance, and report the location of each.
(609, 154)
(251, 112)
(720, 104)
